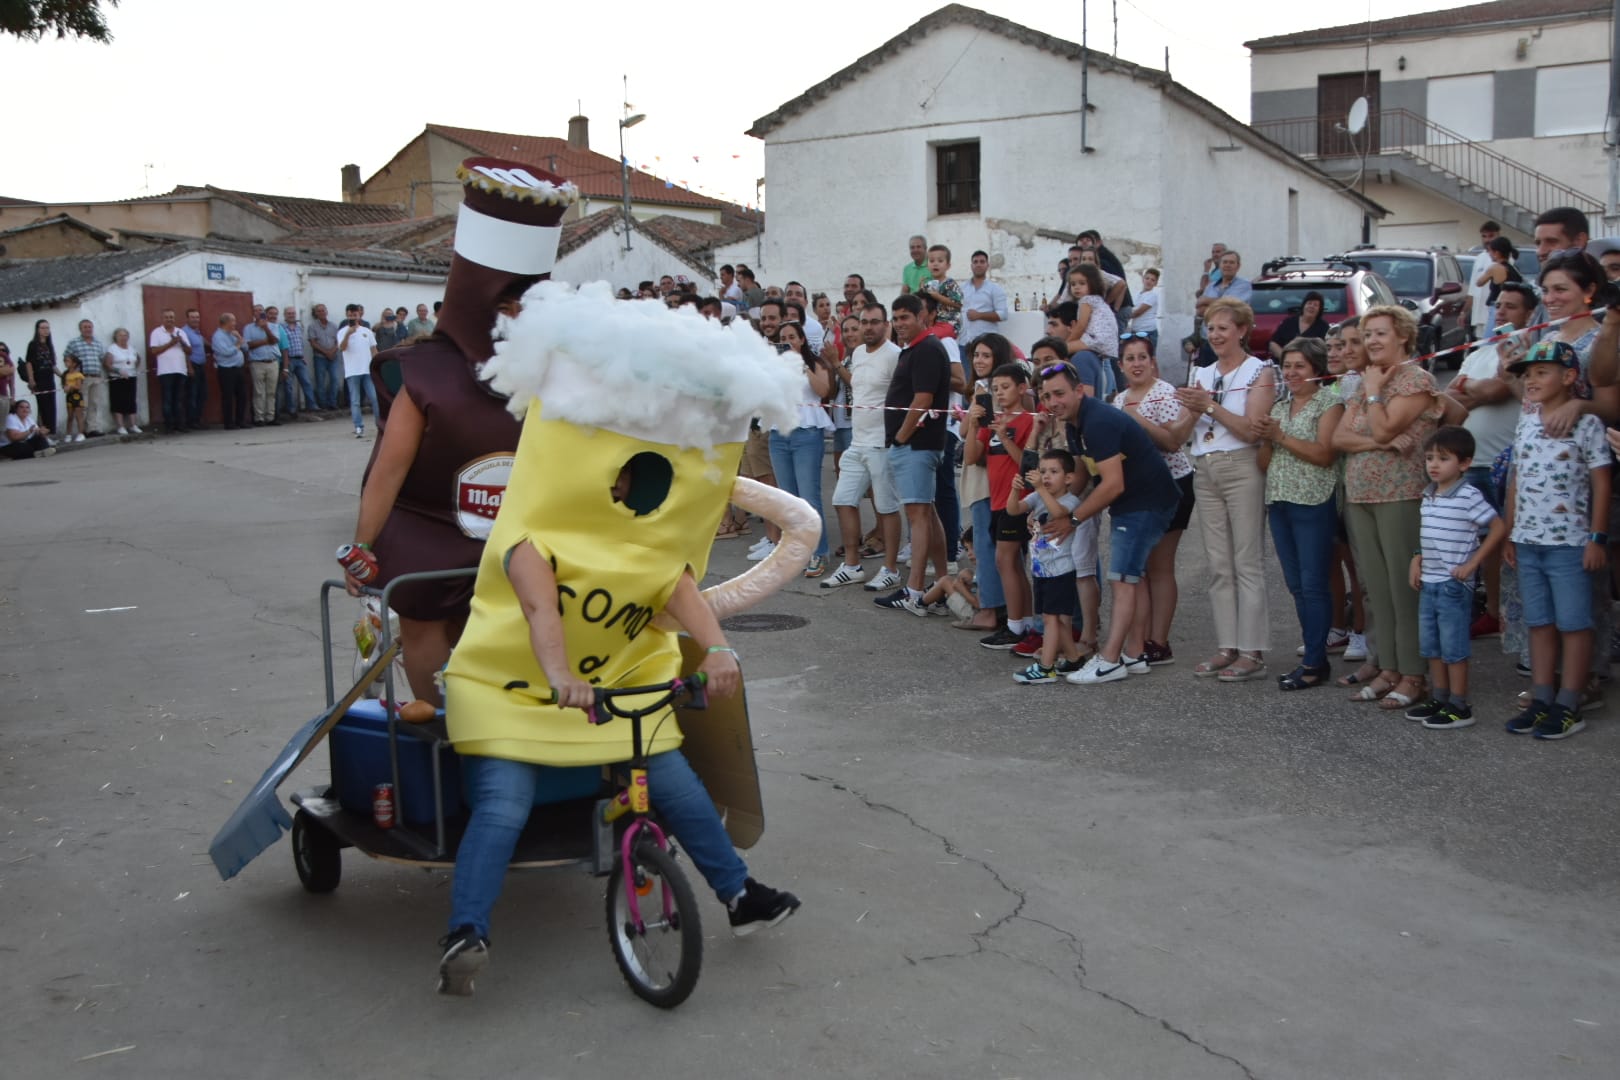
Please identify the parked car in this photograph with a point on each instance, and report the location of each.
(1283, 284)
(1432, 284)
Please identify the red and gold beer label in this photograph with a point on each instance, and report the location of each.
(480, 487)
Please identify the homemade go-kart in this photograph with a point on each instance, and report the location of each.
(592, 817)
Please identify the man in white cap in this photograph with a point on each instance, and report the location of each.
(438, 472)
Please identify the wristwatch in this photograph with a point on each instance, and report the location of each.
(1374, 399)
(1074, 522)
(1209, 410)
(1600, 538)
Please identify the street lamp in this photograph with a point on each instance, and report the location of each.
(624, 171)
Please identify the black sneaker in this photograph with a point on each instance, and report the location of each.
(1450, 718)
(465, 955)
(1001, 640)
(1425, 710)
(1559, 723)
(893, 600)
(760, 906)
(1526, 722)
(1523, 669)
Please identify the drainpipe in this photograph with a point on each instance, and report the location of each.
(1611, 212)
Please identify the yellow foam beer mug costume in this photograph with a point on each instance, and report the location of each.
(602, 384)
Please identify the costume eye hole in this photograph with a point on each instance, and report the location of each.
(650, 479)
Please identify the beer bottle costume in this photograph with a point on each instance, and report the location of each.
(604, 383)
(506, 240)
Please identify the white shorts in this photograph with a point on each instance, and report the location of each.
(1083, 548)
(864, 467)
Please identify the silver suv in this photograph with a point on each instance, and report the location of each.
(1430, 283)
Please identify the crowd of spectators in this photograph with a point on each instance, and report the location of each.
(1408, 519)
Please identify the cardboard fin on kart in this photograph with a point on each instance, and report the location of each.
(719, 744)
(261, 819)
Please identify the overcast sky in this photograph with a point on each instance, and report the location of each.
(277, 97)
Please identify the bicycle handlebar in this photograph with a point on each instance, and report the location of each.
(692, 685)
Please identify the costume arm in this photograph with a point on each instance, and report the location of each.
(801, 530)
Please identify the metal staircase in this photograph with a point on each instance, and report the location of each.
(1402, 143)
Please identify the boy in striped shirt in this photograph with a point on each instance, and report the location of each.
(1453, 512)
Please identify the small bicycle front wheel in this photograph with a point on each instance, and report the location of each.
(661, 961)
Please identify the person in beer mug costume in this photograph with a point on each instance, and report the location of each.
(634, 419)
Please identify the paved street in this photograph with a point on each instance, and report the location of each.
(1164, 878)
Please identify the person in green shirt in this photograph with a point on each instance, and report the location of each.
(915, 272)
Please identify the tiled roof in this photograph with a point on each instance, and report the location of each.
(962, 15)
(59, 219)
(595, 175)
(32, 282)
(576, 234)
(385, 236)
(1428, 23)
(290, 210)
(7, 200)
(691, 237)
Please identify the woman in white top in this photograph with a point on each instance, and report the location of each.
(24, 438)
(122, 364)
(1151, 402)
(1229, 396)
(796, 455)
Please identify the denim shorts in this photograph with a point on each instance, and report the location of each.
(915, 473)
(1553, 587)
(1132, 538)
(1445, 616)
(842, 437)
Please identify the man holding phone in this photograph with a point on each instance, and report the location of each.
(358, 345)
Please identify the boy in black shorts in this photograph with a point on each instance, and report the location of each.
(1052, 563)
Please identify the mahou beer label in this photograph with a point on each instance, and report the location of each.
(480, 485)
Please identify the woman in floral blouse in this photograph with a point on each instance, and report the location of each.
(1385, 422)
(1296, 451)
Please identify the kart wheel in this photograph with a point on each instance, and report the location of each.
(660, 962)
(316, 854)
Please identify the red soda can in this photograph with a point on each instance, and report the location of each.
(358, 562)
(382, 806)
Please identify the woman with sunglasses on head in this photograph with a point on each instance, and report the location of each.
(1301, 466)
(1229, 397)
(1385, 422)
(796, 455)
(1152, 403)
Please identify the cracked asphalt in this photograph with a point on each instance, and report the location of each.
(1154, 879)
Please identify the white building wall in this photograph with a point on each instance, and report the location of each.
(1240, 198)
(852, 178)
(603, 258)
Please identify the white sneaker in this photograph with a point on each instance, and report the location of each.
(1100, 672)
(359, 433)
(136, 430)
(1136, 665)
(914, 605)
(763, 541)
(760, 554)
(886, 579)
(1357, 647)
(905, 554)
(1337, 641)
(78, 438)
(952, 569)
(123, 431)
(844, 575)
(1090, 665)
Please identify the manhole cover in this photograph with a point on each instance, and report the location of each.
(33, 483)
(759, 624)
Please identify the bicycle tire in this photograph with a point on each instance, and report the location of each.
(642, 958)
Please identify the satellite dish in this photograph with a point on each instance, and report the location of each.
(1357, 119)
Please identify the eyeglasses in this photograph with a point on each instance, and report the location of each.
(1064, 368)
(1134, 334)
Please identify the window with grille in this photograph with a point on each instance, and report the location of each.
(956, 170)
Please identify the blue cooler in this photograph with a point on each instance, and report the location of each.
(359, 746)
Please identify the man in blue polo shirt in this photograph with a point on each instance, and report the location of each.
(1135, 487)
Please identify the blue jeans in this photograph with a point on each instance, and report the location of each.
(1480, 477)
(296, 369)
(174, 401)
(502, 794)
(945, 500)
(1445, 615)
(986, 578)
(359, 384)
(796, 460)
(1107, 383)
(1553, 587)
(328, 378)
(1303, 536)
(196, 393)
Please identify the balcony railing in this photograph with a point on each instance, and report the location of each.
(1398, 131)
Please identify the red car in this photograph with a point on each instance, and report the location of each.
(1283, 284)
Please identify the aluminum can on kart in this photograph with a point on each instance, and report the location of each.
(358, 562)
(382, 806)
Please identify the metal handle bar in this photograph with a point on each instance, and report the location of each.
(692, 684)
